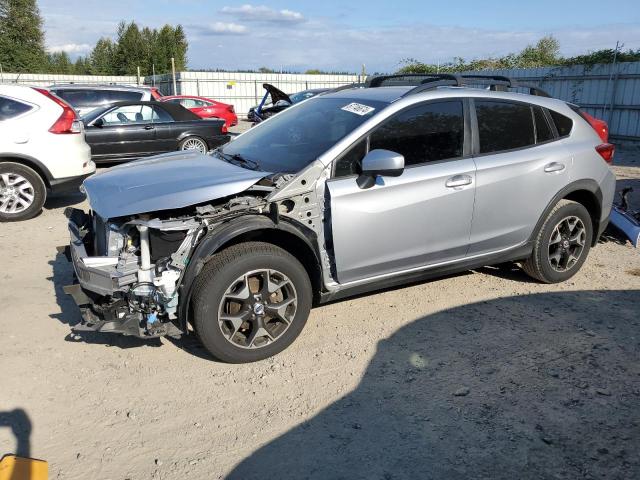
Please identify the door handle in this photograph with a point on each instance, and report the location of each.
(148, 127)
(554, 167)
(458, 181)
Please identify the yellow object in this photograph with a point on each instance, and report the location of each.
(18, 468)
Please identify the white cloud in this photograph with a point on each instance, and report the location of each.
(225, 28)
(262, 13)
(70, 48)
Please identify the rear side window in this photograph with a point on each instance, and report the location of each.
(543, 130)
(12, 108)
(124, 96)
(160, 115)
(87, 97)
(83, 98)
(563, 124)
(504, 125)
(426, 133)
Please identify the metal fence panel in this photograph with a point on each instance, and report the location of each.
(610, 92)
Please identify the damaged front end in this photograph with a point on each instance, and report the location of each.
(129, 270)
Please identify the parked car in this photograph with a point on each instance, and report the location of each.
(127, 130)
(87, 97)
(275, 100)
(345, 193)
(42, 149)
(206, 108)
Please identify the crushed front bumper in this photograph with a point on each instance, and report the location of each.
(99, 288)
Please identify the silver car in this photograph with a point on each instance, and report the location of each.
(86, 97)
(350, 191)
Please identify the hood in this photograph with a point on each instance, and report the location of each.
(276, 95)
(165, 182)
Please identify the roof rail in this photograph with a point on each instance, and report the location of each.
(428, 81)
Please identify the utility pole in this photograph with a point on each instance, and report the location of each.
(153, 74)
(173, 73)
(612, 84)
(138, 71)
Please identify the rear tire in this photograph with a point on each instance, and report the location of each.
(562, 243)
(22, 192)
(250, 302)
(193, 143)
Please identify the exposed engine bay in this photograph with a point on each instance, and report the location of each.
(130, 269)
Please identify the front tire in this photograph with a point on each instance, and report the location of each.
(22, 192)
(562, 243)
(250, 302)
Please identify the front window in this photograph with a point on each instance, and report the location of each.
(429, 132)
(129, 114)
(289, 141)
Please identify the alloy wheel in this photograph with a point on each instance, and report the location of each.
(194, 144)
(257, 308)
(16, 193)
(567, 243)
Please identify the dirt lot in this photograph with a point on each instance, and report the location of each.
(480, 375)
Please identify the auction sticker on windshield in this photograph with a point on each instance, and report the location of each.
(358, 108)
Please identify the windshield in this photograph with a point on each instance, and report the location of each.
(289, 141)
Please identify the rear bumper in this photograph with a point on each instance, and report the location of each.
(68, 184)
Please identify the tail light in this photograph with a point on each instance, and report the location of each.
(606, 151)
(231, 109)
(67, 122)
(600, 126)
(224, 128)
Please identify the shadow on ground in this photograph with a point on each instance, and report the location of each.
(533, 386)
(19, 423)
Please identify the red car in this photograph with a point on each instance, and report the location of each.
(206, 108)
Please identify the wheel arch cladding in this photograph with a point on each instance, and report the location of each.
(587, 193)
(283, 234)
(593, 205)
(30, 162)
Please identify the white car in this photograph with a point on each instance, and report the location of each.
(42, 148)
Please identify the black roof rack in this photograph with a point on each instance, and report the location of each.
(428, 81)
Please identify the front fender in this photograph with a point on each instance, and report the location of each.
(221, 236)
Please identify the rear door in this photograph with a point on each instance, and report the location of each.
(127, 132)
(521, 166)
(420, 218)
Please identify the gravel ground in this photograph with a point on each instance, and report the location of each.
(479, 375)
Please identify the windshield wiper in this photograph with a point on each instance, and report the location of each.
(236, 157)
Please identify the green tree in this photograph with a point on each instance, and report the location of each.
(59, 62)
(130, 49)
(102, 57)
(21, 36)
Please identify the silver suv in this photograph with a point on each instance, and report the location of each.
(347, 192)
(86, 97)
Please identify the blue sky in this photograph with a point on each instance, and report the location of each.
(341, 35)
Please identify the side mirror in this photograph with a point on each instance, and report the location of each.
(98, 123)
(380, 162)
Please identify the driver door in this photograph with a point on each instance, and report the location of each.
(423, 217)
(126, 132)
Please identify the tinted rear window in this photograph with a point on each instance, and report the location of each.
(504, 125)
(563, 124)
(88, 97)
(11, 108)
(543, 130)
